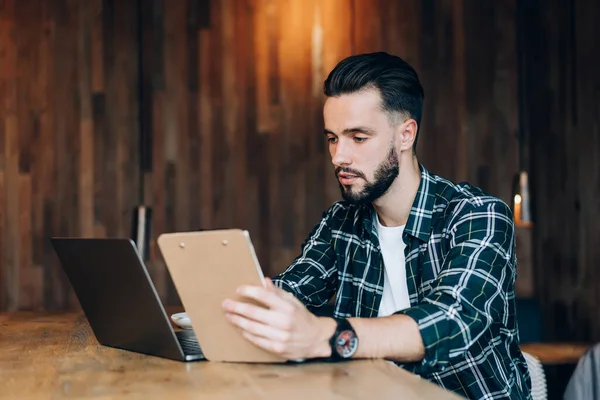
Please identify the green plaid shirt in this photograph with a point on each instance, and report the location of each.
(460, 268)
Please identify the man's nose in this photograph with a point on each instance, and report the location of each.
(341, 154)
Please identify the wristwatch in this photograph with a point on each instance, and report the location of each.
(344, 341)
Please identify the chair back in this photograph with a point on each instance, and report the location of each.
(539, 390)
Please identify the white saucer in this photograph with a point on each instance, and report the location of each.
(182, 320)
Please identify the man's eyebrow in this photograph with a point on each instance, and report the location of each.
(357, 129)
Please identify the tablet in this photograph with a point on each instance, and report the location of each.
(207, 267)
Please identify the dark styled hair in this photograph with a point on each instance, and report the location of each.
(398, 83)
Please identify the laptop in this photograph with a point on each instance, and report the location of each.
(119, 299)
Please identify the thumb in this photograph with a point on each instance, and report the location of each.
(269, 284)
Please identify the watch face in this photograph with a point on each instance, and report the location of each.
(346, 344)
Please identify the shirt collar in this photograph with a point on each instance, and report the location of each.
(419, 220)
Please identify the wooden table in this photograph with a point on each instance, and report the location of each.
(556, 353)
(55, 356)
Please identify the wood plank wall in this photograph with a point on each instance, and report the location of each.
(226, 97)
(68, 134)
(562, 88)
(237, 99)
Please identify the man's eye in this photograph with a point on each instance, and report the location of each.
(332, 139)
(358, 139)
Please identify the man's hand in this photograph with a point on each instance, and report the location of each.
(285, 327)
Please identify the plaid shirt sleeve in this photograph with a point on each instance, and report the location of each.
(474, 285)
(312, 276)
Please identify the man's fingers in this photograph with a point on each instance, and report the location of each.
(269, 284)
(267, 344)
(270, 298)
(280, 292)
(258, 329)
(256, 313)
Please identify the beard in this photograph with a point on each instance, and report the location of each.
(384, 176)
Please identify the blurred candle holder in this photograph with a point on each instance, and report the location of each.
(522, 200)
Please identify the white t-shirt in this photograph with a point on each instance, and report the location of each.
(395, 290)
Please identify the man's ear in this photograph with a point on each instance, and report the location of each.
(407, 133)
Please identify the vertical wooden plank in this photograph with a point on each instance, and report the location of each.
(27, 18)
(28, 292)
(317, 148)
(219, 158)
(25, 22)
(366, 26)
(462, 157)
(337, 17)
(267, 104)
(177, 75)
(8, 80)
(126, 81)
(110, 185)
(157, 267)
(295, 88)
(426, 146)
(504, 101)
(86, 124)
(401, 24)
(290, 23)
(266, 64)
(240, 133)
(38, 105)
(315, 143)
(478, 19)
(194, 113)
(124, 91)
(71, 217)
(438, 146)
(172, 125)
(47, 157)
(154, 65)
(4, 41)
(275, 141)
(8, 55)
(31, 62)
(7, 76)
(60, 213)
(585, 110)
(446, 113)
(86, 179)
(209, 72)
(253, 153)
(147, 66)
(64, 73)
(97, 49)
(206, 128)
(4, 282)
(158, 124)
(226, 204)
(11, 176)
(100, 132)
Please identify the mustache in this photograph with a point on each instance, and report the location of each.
(349, 171)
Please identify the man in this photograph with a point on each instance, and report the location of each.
(434, 261)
